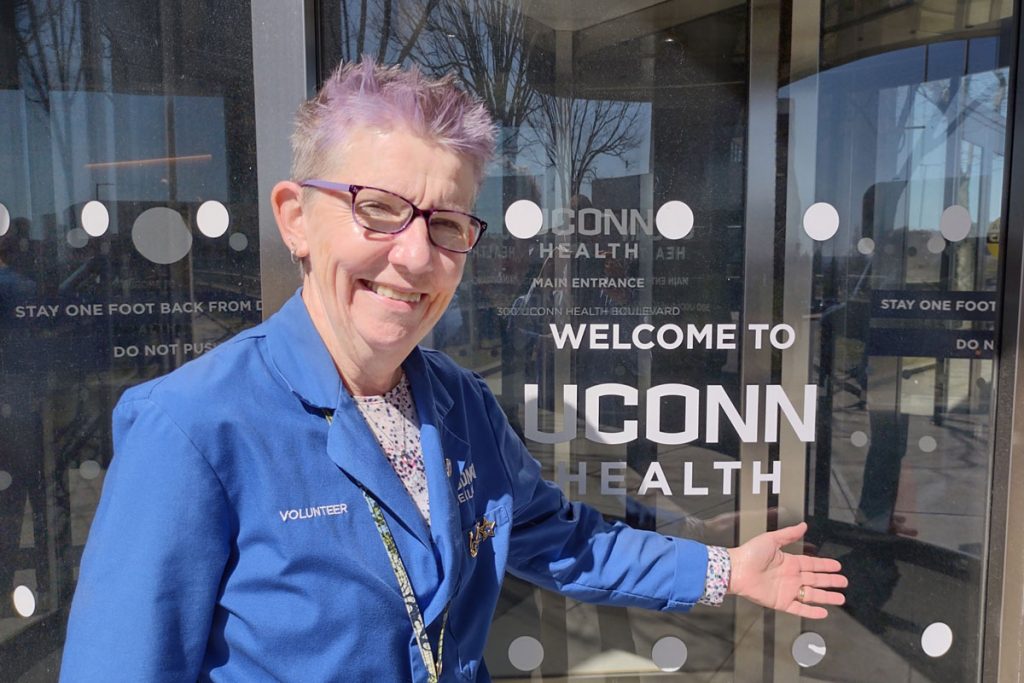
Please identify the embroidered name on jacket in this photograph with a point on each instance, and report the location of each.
(465, 489)
(311, 512)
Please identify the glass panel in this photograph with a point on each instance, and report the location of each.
(128, 245)
(623, 131)
(890, 159)
(903, 133)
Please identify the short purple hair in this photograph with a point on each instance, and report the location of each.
(366, 94)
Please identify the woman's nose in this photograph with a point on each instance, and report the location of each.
(411, 249)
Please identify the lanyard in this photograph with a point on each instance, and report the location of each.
(433, 666)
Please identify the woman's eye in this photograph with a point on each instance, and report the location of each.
(443, 225)
(377, 209)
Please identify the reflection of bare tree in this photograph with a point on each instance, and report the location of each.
(488, 47)
(485, 45)
(51, 48)
(385, 29)
(49, 43)
(573, 133)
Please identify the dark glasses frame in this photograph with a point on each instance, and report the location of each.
(354, 190)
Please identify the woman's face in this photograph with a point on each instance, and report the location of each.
(381, 294)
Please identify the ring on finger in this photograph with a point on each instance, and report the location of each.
(801, 595)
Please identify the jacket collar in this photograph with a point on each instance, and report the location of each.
(302, 360)
(300, 356)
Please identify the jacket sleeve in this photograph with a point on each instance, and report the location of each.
(153, 562)
(570, 548)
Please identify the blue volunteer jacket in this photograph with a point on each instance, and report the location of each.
(233, 543)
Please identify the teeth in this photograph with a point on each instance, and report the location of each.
(384, 290)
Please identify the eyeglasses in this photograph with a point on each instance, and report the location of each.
(386, 212)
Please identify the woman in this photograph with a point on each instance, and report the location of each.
(321, 499)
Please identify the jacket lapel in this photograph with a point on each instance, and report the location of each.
(354, 449)
(432, 403)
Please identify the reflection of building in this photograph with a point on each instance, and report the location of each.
(891, 113)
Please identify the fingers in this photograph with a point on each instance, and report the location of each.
(818, 596)
(819, 564)
(806, 611)
(808, 608)
(816, 580)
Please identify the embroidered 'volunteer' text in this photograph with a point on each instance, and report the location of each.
(311, 512)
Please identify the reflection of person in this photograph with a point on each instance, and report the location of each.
(21, 464)
(880, 376)
(321, 499)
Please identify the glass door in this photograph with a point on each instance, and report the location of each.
(896, 141)
(746, 276)
(128, 245)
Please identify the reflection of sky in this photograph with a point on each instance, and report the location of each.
(91, 127)
(940, 140)
(140, 127)
(980, 133)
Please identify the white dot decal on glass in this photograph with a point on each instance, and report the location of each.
(77, 238)
(821, 221)
(927, 444)
(809, 649)
(89, 469)
(95, 218)
(674, 220)
(5, 219)
(525, 653)
(24, 601)
(937, 639)
(238, 241)
(5, 480)
(161, 236)
(212, 218)
(955, 223)
(866, 246)
(669, 654)
(859, 439)
(523, 219)
(936, 244)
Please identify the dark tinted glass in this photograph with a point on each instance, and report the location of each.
(128, 245)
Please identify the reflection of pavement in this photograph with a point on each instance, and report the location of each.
(608, 641)
(942, 493)
(853, 652)
(707, 633)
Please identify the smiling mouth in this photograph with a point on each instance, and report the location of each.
(388, 292)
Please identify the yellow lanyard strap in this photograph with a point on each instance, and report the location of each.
(408, 597)
(432, 665)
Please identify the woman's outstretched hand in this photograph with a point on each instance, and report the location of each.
(796, 584)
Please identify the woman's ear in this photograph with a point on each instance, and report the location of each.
(286, 199)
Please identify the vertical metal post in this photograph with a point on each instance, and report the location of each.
(283, 64)
(1003, 644)
(554, 623)
(758, 284)
(799, 252)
